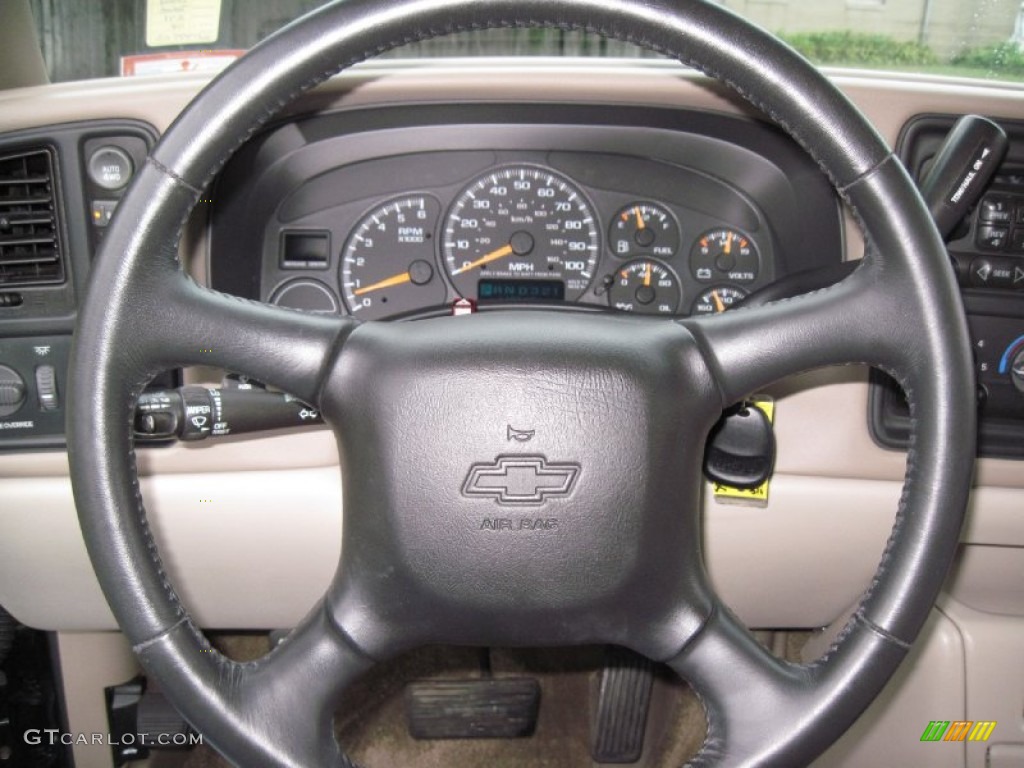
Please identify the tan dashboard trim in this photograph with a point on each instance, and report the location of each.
(251, 550)
(889, 102)
(266, 549)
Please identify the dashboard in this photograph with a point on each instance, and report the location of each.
(441, 171)
(391, 214)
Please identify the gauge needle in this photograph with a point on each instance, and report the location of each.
(639, 218)
(387, 282)
(505, 250)
(728, 243)
(719, 304)
(647, 276)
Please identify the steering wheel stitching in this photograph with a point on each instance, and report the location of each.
(624, 565)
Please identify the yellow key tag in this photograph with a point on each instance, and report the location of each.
(755, 497)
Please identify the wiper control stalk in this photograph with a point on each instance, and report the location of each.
(196, 413)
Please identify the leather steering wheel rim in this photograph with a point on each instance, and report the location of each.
(900, 311)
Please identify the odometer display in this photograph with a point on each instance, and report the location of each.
(521, 290)
(522, 224)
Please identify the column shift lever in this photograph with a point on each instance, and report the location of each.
(959, 174)
(962, 169)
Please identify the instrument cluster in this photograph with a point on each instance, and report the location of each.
(522, 233)
(392, 214)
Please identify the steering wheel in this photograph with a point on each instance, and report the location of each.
(620, 408)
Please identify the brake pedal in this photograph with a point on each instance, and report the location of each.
(624, 698)
(473, 709)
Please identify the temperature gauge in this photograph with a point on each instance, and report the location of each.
(645, 286)
(644, 229)
(718, 299)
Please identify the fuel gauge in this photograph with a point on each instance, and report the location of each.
(645, 286)
(644, 229)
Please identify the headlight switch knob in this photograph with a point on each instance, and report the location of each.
(12, 391)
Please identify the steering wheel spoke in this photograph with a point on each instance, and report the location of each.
(850, 322)
(521, 480)
(309, 672)
(742, 686)
(286, 699)
(196, 326)
(756, 703)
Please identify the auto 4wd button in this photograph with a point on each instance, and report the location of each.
(110, 167)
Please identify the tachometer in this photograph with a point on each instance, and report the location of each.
(387, 266)
(518, 226)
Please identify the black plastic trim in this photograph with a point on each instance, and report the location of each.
(996, 316)
(46, 315)
(50, 309)
(792, 208)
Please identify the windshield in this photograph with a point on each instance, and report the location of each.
(963, 38)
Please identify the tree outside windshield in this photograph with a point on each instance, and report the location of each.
(968, 38)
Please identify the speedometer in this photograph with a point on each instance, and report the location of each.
(521, 233)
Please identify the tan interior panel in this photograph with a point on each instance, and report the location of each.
(994, 674)
(257, 549)
(990, 579)
(245, 550)
(250, 528)
(92, 661)
(928, 686)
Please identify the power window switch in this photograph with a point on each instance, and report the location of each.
(46, 386)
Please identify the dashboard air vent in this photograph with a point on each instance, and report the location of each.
(30, 252)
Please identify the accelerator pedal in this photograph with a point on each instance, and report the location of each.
(473, 709)
(620, 717)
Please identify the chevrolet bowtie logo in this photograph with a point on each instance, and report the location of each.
(520, 480)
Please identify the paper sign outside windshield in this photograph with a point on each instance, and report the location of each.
(182, 22)
(171, 62)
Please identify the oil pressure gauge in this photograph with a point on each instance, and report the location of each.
(643, 229)
(646, 286)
